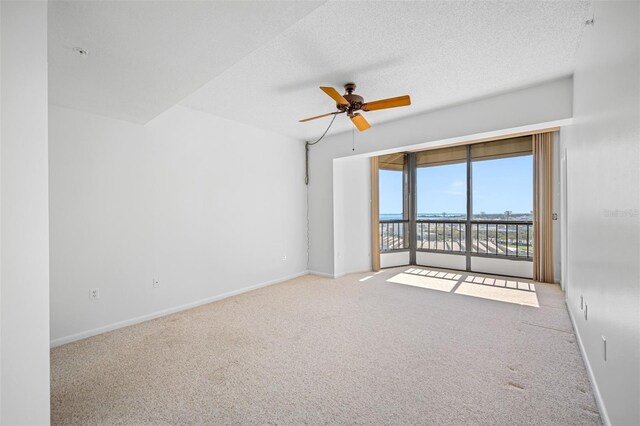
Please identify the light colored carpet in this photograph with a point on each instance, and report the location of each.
(360, 349)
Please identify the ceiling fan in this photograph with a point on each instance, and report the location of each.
(349, 103)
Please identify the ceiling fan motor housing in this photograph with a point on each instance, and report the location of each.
(355, 101)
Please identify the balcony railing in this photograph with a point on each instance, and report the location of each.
(502, 238)
(441, 235)
(394, 235)
(489, 238)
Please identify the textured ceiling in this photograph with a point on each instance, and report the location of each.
(145, 56)
(439, 52)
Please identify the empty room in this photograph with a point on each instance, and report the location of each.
(319, 212)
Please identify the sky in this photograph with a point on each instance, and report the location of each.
(498, 185)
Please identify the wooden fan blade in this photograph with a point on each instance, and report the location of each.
(387, 103)
(333, 93)
(360, 122)
(320, 116)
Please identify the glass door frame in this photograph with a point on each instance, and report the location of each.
(412, 194)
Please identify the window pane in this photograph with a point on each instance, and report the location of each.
(392, 202)
(391, 183)
(442, 191)
(503, 189)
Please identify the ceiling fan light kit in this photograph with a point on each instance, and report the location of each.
(349, 103)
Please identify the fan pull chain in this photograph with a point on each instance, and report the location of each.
(353, 139)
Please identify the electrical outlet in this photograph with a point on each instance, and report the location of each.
(156, 283)
(284, 257)
(94, 293)
(581, 303)
(604, 348)
(585, 311)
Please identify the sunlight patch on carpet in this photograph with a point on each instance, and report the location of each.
(432, 283)
(507, 290)
(500, 294)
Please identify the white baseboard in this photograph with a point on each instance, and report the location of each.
(342, 274)
(355, 271)
(592, 379)
(321, 274)
(110, 327)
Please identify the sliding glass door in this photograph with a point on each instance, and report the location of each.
(503, 198)
(441, 199)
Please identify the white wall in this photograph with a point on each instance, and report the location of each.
(603, 154)
(24, 258)
(526, 109)
(508, 267)
(102, 217)
(206, 205)
(394, 258)
(352, 204)
(441, 260)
